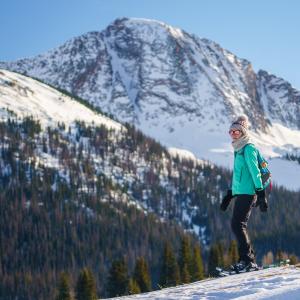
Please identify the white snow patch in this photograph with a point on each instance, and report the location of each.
(28, 97)
(282, 283)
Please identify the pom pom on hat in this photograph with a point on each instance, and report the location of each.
(243, 120)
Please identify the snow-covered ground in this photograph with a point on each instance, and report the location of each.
(282, 283)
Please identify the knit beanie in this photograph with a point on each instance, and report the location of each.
(241, 123)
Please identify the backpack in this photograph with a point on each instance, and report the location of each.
(264, 171)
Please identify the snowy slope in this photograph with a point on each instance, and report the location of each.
(279, 283)
(216, 147)
(178, 88)
(27, 97)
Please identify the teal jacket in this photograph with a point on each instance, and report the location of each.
(246, 174)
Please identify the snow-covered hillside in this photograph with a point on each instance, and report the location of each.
(27, 97)
(282, 283)
(178, 88)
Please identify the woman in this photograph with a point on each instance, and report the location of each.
(247, 189)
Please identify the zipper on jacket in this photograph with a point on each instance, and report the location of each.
(241, 175)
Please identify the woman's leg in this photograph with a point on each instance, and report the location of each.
(240, 217)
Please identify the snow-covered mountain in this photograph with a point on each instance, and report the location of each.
(141, 70)
(178, 88)
(279, 283)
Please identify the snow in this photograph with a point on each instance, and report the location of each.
(28, 97)
(184, 154)
(281, 283)
(285, 173)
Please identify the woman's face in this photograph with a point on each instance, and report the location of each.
(235, 134)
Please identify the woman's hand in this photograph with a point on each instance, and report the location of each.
(226, 200)
(262, 201)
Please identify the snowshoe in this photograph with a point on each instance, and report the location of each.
(240, 267)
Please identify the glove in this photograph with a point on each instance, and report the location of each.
(262, 200)
(226, 200)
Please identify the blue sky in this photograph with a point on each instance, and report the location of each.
(266, 32)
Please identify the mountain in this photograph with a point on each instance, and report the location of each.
(176, 87)
(140, 69)
(277, 283)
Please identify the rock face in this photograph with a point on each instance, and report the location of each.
(280, 100)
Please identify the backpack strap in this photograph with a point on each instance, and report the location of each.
(265, 172)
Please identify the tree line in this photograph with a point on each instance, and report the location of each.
(188, 267)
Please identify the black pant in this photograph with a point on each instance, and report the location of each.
(241, 213)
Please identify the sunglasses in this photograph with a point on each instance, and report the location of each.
(234, 131)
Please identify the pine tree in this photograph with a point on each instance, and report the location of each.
(118, 279)
(86, 286)
(268, 258)
(142, 276)
(197, 263)
(233, 254)
(133, 287)
(64, 292)
(214, 259)
(279, 255)
(169, 275)
(221, 251)
(185, 275)
(185, 260)
(293, 259)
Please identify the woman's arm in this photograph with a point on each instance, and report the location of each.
(250, 154)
